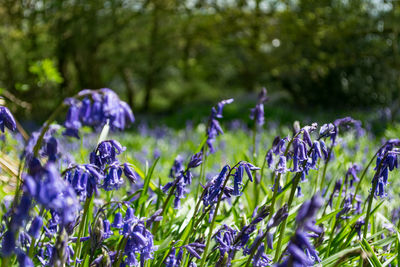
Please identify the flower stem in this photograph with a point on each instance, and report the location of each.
(203, 258)
(82, 226)
(296, 180)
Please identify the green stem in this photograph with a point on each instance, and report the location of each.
(331, 238)
(254, 142)
(371, 195)
(170, 194)
(296, 180)
(203, 258)
(363, 175)
(82, 226)
(120, 249)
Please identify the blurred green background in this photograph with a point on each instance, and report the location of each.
(173, 56)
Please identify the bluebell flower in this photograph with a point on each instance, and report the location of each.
(22, 212)
(182, 177)
(332, 130)
(281, 167)
(195, 160)
(6, 119)
(107, 229)
(215, 187)
(54, 193)
(140, 241)
(269, 158)
(177, 167)
(238, 177)
(225, 238)
(259, 214)
(24, 239)
(24, 260)
(130, 173)
(214, 129)
(130, 216)
(195, 249)
(113, 180)
(260, 259)
(97, 108)
(352, 172)
(117, 223)
(386, 161)
(106, 153)
(301, 251)
(8, 243)
(49, 148)
(36, 226)
(156, 217)
(84, 179)
(174, 260)
(345, 210)
(72, 122)
(257, 113)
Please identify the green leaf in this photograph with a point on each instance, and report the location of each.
(372, 258)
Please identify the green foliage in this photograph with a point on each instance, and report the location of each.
(46, 71)
(165, 53)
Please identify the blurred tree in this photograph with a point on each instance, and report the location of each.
(164, 52)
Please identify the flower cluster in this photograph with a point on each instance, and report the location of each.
(301, 251)
(48, 189)
(303, 152)
(182, 177)
(214, 128)
(386, 161)
(215, 186)
(104, 157)
(139, 241)
(97, 108)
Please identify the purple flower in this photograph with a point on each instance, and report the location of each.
(140, 241)
(117, 223)
(214, 129)
(281, 168)
(8, 243)
(72, 123)
(97, 108)
(257, 113)
(195, 249)
(106, 153)
(6, 119)
(51, 191)
(182, 177)
(386, 161)
(24, 260)
(130, 173)
(238, 177)
(301, 251)
(84, 179)
(113, 179)
(36, 226)
(215, 187)
(225, 238)
(174, 260)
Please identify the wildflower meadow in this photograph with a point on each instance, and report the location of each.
(83, 190)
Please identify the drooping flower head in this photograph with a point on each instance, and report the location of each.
(96, 109)
(257, 113)
(214, 128)
(301, 251)
(182, 177)
(7, 120)
(386, 161)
